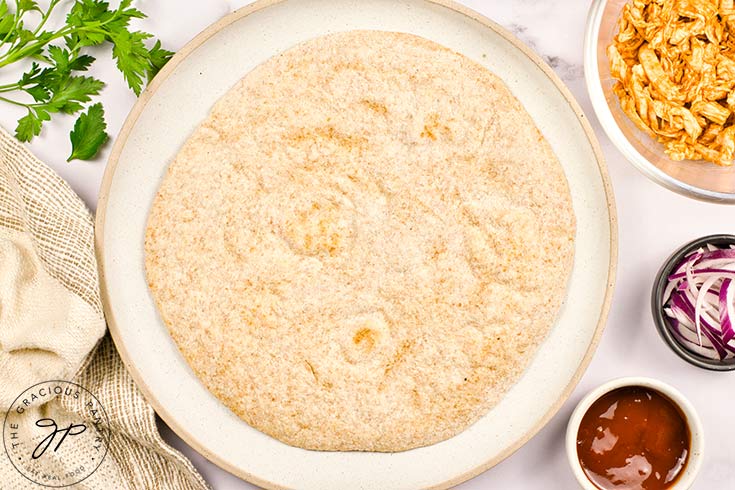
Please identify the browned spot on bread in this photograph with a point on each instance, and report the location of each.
(349, 65)
(328, 134)
(397, 359)
(433, 128)
(375, 106)
(399, 356)
(319, 228)
(415, 398)
(438, 249)
(311, 369)
(365, 338)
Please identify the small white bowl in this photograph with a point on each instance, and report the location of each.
(696, 449)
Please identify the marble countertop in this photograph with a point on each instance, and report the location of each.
(652, 223)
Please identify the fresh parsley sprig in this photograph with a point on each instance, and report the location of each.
(54, 83)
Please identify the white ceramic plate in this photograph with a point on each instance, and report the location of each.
(182, 95)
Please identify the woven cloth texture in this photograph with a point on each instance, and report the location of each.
(52, 328)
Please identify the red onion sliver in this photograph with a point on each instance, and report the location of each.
(705, 272)
(683, 302)
(726, 253)
(729, 334)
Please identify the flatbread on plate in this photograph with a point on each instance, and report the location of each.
(363, 245)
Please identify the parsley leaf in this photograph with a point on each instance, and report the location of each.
(132, 57)
(7, 20)
(30, 125)
(88, 134)
(28, 5)
(52, 84)
(81, 62)
(158, 57)
(39, 93)
(68, 98)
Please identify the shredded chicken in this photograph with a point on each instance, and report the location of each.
(674, 62)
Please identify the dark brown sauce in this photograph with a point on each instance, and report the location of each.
(633, 438)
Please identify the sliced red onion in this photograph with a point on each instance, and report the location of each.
(699, 301)
(684, 308)
(727, 309)
(706, 321)
(706, 272)
(702, 304)
(720, 253)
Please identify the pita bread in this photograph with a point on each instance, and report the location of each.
(363, 245)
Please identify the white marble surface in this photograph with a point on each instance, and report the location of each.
(653, 221)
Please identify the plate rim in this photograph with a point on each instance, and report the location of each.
(142, 103)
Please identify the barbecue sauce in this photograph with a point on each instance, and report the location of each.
(633, 438)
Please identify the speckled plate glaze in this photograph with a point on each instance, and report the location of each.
(182, 95)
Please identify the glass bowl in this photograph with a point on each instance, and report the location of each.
(698, 179)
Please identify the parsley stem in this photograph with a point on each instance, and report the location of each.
(14, 102)
(45, 16)
(12, 56)
(16, 18)
(10, 87)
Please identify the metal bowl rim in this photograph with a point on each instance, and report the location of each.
(660, 320)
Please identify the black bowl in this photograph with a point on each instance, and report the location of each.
(662, 321)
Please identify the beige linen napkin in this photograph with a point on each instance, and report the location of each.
(52, 328)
